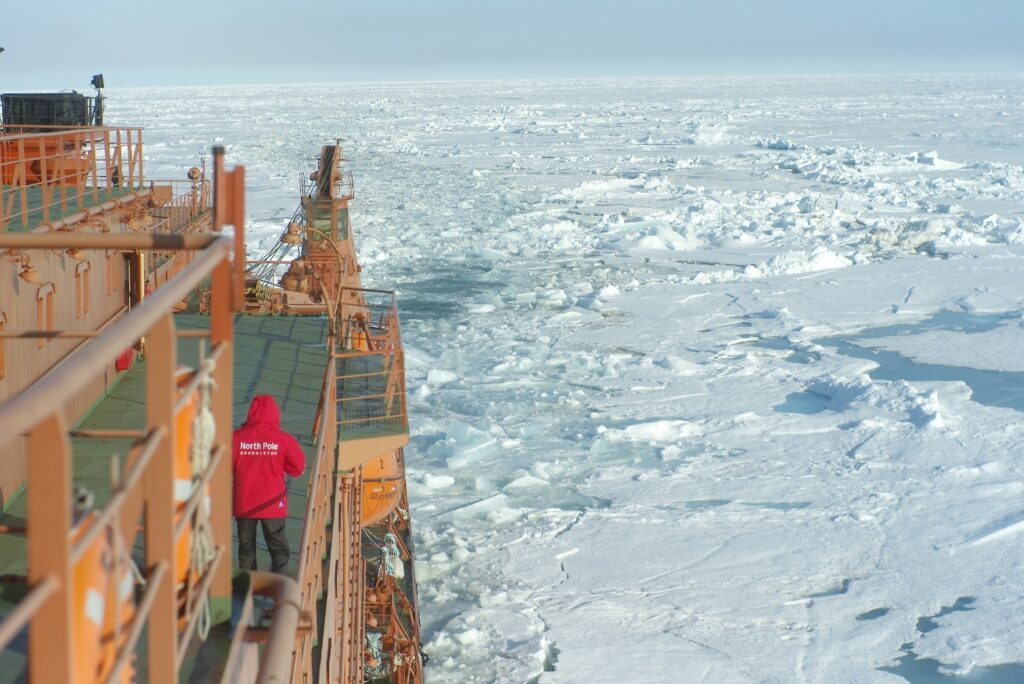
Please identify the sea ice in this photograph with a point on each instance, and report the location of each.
(742, 229)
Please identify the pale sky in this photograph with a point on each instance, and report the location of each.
(60, 45)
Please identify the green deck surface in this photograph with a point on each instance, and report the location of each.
(34, 203)
(284, 357)
(281, 356)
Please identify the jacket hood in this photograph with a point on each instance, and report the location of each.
(263, 409)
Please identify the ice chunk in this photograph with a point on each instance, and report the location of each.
(432, 481)
(482, 508)
(526, 298)
(470, 636)
(491, 254)
(776, 143)
(526, 482)
(463, 444)
(492, 600)
(438, 377)
(678, 366)
(655, 432)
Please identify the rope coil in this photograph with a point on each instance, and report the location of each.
(204, 430)
(374, 656)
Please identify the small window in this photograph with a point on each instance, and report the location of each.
(44, 311)
(319, 217)
(83, 291)
(342, 227)
(3, 343)
(111, 281)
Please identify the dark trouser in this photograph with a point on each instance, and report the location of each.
(273, 534)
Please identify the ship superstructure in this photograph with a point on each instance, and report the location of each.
(132, 337)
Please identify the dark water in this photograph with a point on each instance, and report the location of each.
(917, 670)
(991, 388)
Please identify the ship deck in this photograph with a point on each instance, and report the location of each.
(283, 356)
(34, 202)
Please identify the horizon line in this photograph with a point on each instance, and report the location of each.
(521, 79)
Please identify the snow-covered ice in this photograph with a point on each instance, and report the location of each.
(712, 379)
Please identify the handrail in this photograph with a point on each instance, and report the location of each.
(15, 621)
(311, 503)
(188, 200)
(375, 398)
(201, 589)
(283, 625)
(390, 293)
(50, 130)
(198, 492)
(277, 653)
(309, 572)
(113, 507)
(128, 241)
(26, 410)
(156, 578)
(345, 188)
(29, 128)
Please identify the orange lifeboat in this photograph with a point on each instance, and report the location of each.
(182, 491)
(103, 607)
(382, 486)
(186, 574)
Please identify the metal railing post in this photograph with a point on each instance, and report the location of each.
(23, 184)
(351, 579)
(227, 296)
(50, 644)
(222, 333)
(161, 359)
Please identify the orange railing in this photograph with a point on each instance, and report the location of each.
(46, 176)
(344, 186)
(331, 569)
(371, 365)
(188, 200)
(315, 543)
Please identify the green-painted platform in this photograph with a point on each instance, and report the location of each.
(285, 357)
(66, 195)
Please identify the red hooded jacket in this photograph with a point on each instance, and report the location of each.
(261, 455)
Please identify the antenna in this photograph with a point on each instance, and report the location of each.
(97, 83)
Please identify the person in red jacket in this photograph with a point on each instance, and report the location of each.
(262, 454)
